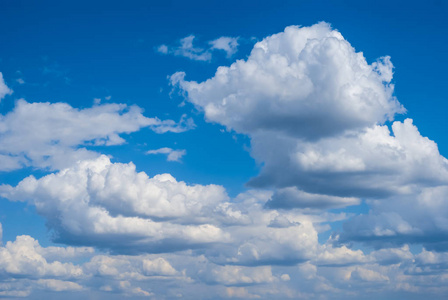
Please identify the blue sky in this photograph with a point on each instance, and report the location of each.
(237, 149)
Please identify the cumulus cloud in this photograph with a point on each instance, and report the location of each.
(236, 275)
(101, 203)
(59, 285)
(23, 258)
(188, 50)
(317, 114)
(4, 90)
(304, 82)
(172, 155)
(419, 218)
(47, 135)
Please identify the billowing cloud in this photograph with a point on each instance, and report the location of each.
(304, 82)
(319, 118)
(313, 108)
(320, 121)
(100, 203)
(24, 258)
(54, 135)
(171, 154)
(419, 218)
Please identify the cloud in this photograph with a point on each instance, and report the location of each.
(4, 90)
(418, 218)
(102, 204)
(59, 285)
(172, 155)
(293, 198)
(227, 44)
(236, 275)
(23, 258)
(111, 206)
(317, 114)
(188, 50)
(304, 82)
(53, 136)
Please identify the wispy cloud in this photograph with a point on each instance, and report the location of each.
(172, 155)
(188, 50)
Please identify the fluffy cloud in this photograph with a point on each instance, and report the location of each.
(23, 258)
(317, 114)
(51, 136)
(97, 202)
(416, 218)
(312, 107)
(370, 163)
(4, 90)
(304, 82)
(172, 155)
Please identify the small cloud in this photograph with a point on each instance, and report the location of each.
(225, 43)
(172, 155)
(108, 98)
(163, 49)
(20, 81)
(97, 101)
(188, 50)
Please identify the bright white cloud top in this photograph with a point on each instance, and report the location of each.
(321, 122)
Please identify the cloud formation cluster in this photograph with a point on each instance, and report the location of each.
(318, 116)
(320, 120)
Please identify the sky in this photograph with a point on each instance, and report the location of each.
(217, 150)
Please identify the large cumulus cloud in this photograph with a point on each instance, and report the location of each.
(319, 117)
(304, 82)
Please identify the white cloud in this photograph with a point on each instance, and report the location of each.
(52, 136)
(163, 49)
(236, 275)
(227, 44)
(417, 218)
(21, 258)
(315, 109)
(304, 82)
(59, 285)
(100, 203)
(4, 90)
(172, 155)
(188, 50)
